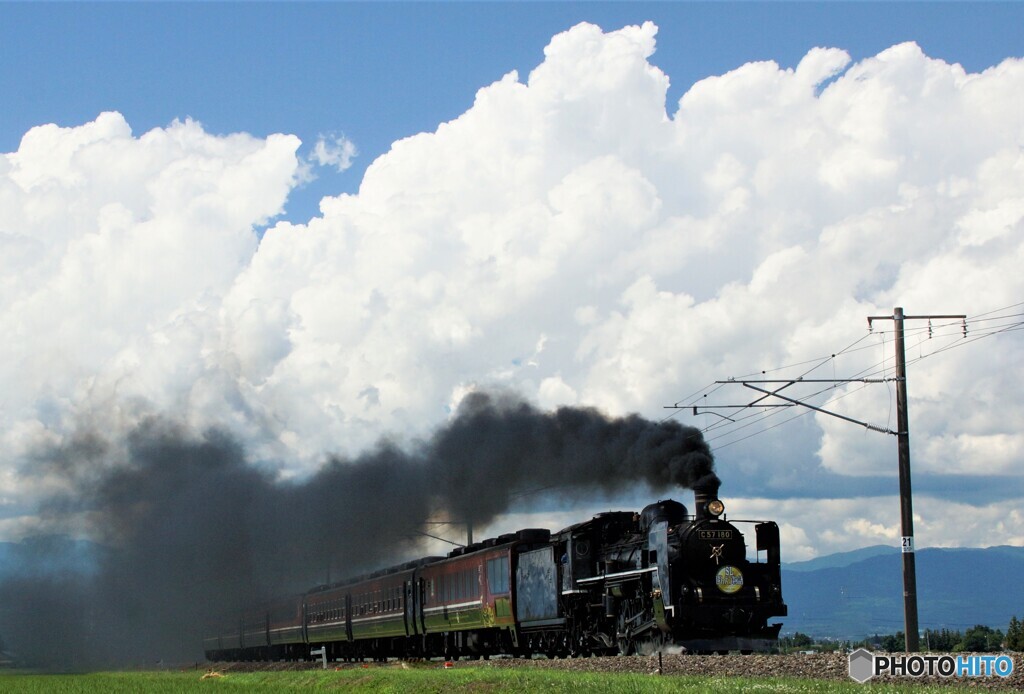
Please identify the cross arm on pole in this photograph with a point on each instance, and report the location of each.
(791, 402)
(769, 393)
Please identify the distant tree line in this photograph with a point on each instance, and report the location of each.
(977, 639)
(1015, 635)
(795, 642)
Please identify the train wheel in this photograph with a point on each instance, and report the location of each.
(626, 646)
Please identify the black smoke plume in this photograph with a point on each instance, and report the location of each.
(186, 530)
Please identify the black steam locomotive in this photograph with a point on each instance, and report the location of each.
(621, 582)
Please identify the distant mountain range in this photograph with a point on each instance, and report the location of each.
(851, 595)
(840, 559)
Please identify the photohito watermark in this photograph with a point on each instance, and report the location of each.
(864, 665)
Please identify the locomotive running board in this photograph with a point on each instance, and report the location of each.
(622, 575)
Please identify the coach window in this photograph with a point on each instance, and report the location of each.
(497, 575)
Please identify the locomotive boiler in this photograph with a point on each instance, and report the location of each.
(621, 582)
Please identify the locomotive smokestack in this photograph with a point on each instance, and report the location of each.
(705, 490)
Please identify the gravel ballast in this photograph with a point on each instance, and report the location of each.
(819, 666)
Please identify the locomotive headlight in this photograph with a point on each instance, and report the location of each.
(716, 507)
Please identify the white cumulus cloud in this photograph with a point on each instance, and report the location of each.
(571, 236)
(336, 151)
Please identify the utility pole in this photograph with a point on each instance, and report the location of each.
(910, 624)
(771, 388)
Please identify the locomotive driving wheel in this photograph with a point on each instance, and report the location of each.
(625, 645)
(630, 616)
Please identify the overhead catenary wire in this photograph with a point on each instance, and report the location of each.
(850, 391)
(947, 335)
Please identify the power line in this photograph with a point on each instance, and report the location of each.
(951, 331)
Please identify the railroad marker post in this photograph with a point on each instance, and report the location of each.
(322, 652)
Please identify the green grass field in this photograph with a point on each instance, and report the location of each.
(422, 679)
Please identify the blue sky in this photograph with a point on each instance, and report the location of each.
(378, 72)
(576, 236)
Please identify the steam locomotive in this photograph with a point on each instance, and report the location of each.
(621, 582)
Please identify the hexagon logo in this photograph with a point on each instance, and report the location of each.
(862, 665)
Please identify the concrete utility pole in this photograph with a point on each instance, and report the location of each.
(910, 624)
(775, 386)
